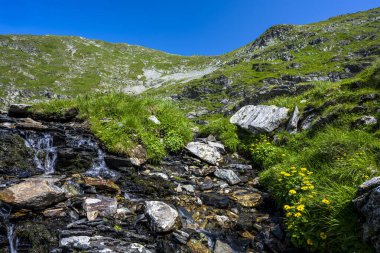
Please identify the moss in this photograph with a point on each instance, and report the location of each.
(38, 235)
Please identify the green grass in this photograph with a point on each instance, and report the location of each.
(121, 122)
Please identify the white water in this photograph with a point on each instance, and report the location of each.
(45, 154)
(12, 241)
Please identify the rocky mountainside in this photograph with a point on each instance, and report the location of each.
(35, 67)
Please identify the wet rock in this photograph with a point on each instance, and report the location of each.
(74, 161)
(101, 205)
(228, 175)
(34, 193)
(207, 184)
(221, 247)
(28, 123)
(102, 184)
(162, 217)
(368, 206)
(261, 118)
(197, 246)
(205, 152)
(237, 166)
(215, 199)
(18, 110)
(15, 158)
(181, 236)
(293, 122)
(247, 198)
(136, 248)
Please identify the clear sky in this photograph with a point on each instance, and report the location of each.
(187, 27)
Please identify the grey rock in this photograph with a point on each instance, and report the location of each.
(228, 175)
(221, 247)
(188, 188)
(100, 205)
(76, 242)
(260, 118)
(136, 248)
(367, 121)
(293, 122)
(181, 236)
(162, 217)
(205, 152)
(368, 206)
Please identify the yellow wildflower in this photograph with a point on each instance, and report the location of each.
(309, 242)
(304, 188)
(287, 175)
(303, 169)
(301, 174)
(301, 208)
(287, 207)
(282, 172)
(326, 201)
(297, 214)
(283, 154)
(310, 172)
(292, 192)
(323, 236)
(311, 187)
(288, 215)
(279, 180)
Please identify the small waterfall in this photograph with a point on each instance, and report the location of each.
(99, 166)
(5, 214)
(45, 154)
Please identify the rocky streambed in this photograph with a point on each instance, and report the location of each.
(61, 192)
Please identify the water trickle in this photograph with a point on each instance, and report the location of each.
(5, 214)
(99, 166)
(45, 154)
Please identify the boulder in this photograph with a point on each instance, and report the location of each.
(368, 206)
(162, 217)
(227, 175)
(260, 118)
(207, 153)
(221, 247)
(34, 193)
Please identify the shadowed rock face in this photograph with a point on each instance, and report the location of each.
(260, 118)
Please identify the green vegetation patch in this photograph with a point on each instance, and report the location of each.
(122, 121)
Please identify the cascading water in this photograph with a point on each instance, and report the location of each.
(45, 154)
(12, 241)
(99, 166)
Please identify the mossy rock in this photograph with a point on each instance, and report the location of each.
(15, 158)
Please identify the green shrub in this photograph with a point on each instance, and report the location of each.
(265, 154)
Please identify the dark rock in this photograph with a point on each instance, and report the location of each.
(18, 110)
(222, 81)
(74, 161)
(261, 67)
(293, 122)
(207, 184)
(318, 40)
(365, 121)
(215, 199)
(356, 68)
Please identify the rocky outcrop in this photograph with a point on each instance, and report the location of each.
(293, 122)
(18, 110)
(162, 217)
(261, 118)
(34, 193)
(368, 206)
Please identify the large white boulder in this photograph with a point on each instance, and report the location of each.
(162, 217)
(260, 118)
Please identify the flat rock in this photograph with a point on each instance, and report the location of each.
(101, 205)
(260, 118)
(247, 198)
(34, 193)
(162, 217)
(205, 152)
(221, 247)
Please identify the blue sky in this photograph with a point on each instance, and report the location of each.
(191, 27)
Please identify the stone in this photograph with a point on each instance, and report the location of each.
(366, 121)
(101, 205)
(162, 217)
(154, 119)
(221, 247)
(136, 248)
(215, 200)
(260, 118)
(293, 122)
(102, 184)
(181, 236)
(217, 145)
(368, 206)
(222, 220)
(33, 193)
(77, 242)
(18, 110)
(247, 198)
(188, 188)
(228, 175)
(205, 152)
(207, 184)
